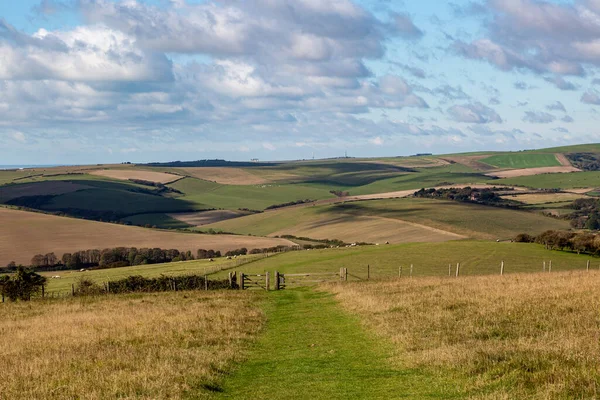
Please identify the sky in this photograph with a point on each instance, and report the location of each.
(97, 81)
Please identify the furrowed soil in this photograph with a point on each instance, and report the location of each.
(25, 234)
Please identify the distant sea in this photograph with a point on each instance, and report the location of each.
(26, 166)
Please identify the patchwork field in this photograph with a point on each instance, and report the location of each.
(522, 160)
(512, 337)
(468, 220)
(144, 346)
(24, 234)
(126, 174)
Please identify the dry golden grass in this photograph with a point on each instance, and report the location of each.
(152, 346)
(24, 234)
(367, 229)
(226, 175)
(512, 173)
(126, 174)
(534, 336)
(543, 198)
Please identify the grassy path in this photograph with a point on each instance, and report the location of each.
(312, 349)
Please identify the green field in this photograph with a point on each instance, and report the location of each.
(570, 180)
(475, 258)
(257, 197)
(159, 220)
(522, 160)
(196, 267)
(471, 220)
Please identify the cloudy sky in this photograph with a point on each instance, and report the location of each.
(87, 81)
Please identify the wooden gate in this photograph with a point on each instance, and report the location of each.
(254, 281)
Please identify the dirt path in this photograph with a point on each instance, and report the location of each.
(312, 349)
(563, 160)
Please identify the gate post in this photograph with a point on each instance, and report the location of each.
(277, 280)
(241, 280)
(267, 281)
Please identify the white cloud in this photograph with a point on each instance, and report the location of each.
(269, 146)
(376, 141)
(92, 53)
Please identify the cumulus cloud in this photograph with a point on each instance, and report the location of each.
(83, 54)
(405, 26)
(556, 106)
(538, 117)
(474, 113)
(591, 97)
(541, 36)
(561, 83)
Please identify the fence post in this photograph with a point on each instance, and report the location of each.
(242, 281)
(502, 268)
(368, 272)
(43, 291)
(341, 274)
(544, 270)
(587, 268)
(72, 289)
(267, 281)
(550, 266)
(400, 271)
(449, 269)
(411, 270)
(230, 278)
(457, 269)
(345, 274)
(205, 282)
(276, 280)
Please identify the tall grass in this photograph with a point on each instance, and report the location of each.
(520, 336)
(151, 346)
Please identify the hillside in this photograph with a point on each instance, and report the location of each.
(393, 220)
(24, 234)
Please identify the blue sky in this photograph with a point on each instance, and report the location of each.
(89, 81)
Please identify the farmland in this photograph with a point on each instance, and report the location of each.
(522, 160)
(572, 180)
(475, 258)
(24, 234)
(129, 174)
(468, 220)
(526, 334)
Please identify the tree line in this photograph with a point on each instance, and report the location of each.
(580, 242)
(467, 195)
(129, 256)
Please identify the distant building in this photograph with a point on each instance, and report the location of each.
(254, 159)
